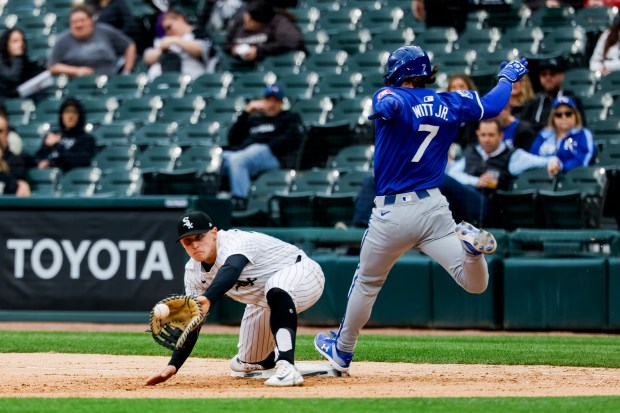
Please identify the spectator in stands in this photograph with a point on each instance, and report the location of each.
(15, 66)
(12, 166)
(551, 75)
(183, 49)
(262, 31)
(484, 168)
(467, 131)
(517, 133)
(606, 55)
(14, 140)
(262, 138)
(91, 48)
(116, 13)
(441, 13)
(68, 146)
(565, 136)
(522, 91)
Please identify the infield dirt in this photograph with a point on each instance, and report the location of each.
(88, 375)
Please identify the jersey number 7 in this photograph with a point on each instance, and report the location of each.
(432, 132)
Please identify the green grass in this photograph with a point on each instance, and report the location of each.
(579, 351)
(460, 405)
(594, 351)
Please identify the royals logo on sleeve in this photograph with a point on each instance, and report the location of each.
(465, 93)
(383, 93)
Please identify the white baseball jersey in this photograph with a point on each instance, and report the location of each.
(272, 263)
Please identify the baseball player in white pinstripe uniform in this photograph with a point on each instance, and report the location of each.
(275, 280)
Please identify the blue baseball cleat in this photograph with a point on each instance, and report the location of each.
(326, 345)
(475, 241)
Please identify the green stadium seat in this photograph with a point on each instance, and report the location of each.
(115, 158)
(43, 182)
(168, 85)
(211, 85)
(354, 157)
(116, 133)
(183, 110)
(129, 86)
(139, 110)
(86, 87)
(79, 182)
(155, 134)
(157, 158)
(120, 183)
(19, 110)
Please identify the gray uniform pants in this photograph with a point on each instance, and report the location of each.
(410, 222)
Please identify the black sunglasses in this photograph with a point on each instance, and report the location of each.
(563, 114)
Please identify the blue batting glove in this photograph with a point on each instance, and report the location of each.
(387, 107)
(513, 71)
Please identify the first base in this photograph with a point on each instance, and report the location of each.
(306, 370)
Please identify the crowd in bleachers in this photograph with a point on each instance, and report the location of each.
(160, 116)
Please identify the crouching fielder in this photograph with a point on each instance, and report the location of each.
(275, 280)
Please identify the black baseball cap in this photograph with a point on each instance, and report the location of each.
(193, 222)
(553, 63)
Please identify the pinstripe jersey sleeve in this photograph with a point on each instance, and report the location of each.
(266, 256)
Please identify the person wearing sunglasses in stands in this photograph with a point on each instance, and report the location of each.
(565, 136)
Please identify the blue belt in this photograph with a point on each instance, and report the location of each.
(391, 199)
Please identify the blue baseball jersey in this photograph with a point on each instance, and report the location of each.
(575, 149)
(411, 150)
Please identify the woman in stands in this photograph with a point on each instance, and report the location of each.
(565, 136)
(467, 131)
(15, 66)
(606, 55)
(522, 91)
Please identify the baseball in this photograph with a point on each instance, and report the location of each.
(161, 311)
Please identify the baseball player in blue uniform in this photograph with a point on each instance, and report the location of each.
(414, 129)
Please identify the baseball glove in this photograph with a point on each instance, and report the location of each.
(185, 315)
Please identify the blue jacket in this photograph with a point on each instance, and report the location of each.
(575, 149)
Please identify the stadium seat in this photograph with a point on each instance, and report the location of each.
(508, 19)
(156, 158)
(251, 85)
(526, 40)
(139, 110)
(115, 158)
(517, 209)
(288, 62)
(344, 19)
(200, 134)
(299, 86)
(577, 201)
(610, 156)
(86, 87)
(99, 110)
(261, 191)
(389, 40)
(116, 133)
(553, 17)
(120, 183)
(537, 179)
(307, 18)
(386, 18)
(317, 41)
(204, 159)
(47, 111)
(19, 110)
(168, 85)
(126, 86)
(32, 136)
(314, 111)
(161, 133)
(371, 63)
(595, 19)
(211, 85)
(351, 42)
(437, 40)
(43, 182)
(570, 42)
(224, 111)
(340, 87)
(183, 110)
(605, 132)
(480, 39)
(79, 182)
(328, 63)
(354, 157)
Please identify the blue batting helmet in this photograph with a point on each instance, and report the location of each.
(405, 62)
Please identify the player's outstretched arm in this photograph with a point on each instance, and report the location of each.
(387, 106)
(494, 101)
(161, 377)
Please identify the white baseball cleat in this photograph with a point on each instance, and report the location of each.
(286, 375)
(475, 241)
(243, 367)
